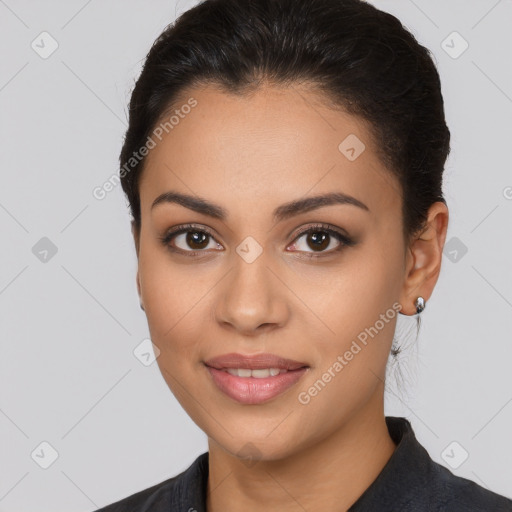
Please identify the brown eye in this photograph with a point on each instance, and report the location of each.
(193, 241)
(196, 239)
(321, 239)
(318, 240)
(189, 239)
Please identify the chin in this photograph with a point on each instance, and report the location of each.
(251, 448)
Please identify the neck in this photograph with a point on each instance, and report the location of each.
(331, 474)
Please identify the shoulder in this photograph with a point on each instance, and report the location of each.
(155, 498)
(437, 489)
(169, 494)
(454, 493)
(412, 481)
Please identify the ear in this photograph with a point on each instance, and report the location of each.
(423, 259)
(136, 239)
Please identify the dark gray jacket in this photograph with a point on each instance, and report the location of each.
(409, 482)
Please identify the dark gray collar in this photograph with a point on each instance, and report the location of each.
(410, 481)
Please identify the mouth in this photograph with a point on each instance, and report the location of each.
(234, 361)
(260, 373)
(254, 379)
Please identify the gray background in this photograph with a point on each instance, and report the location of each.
(70, 321)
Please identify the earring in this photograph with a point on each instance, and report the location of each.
(142, 307)
(420, 305)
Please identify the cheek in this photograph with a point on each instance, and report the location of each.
(360, 308)
(174, 306)
(352, 358)
(173, 298)
(350, 297)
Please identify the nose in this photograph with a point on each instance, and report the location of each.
(252, 299)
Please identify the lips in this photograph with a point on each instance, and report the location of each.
(254, 362)
(255, 391)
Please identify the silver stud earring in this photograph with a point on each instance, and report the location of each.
(420, 305)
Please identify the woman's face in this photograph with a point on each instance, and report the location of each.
(252, 284)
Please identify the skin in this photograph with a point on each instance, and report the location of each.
(250, 154)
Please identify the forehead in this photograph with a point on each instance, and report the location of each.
(274, 144)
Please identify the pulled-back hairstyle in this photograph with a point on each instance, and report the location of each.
(362, 59)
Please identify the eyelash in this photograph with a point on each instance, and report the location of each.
(323, 228)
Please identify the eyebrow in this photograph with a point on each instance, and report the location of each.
(285, 211)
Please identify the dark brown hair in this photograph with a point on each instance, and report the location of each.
(362, 59)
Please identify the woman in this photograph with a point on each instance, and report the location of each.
(283, 165)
